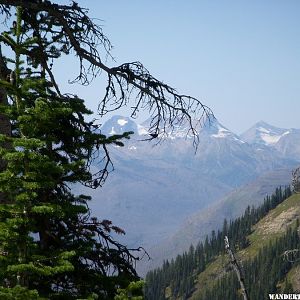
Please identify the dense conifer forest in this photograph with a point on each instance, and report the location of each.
(176, 279)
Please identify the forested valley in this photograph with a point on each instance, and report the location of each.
(204, 272)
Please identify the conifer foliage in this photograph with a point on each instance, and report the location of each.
(177, 279)
(50, 246)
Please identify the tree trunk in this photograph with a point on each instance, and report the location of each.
(5, 126)
(237, 269)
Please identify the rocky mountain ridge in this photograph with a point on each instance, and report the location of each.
(155, 189)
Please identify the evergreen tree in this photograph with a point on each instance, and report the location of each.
(50, 246)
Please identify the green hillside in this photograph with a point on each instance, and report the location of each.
(266, 232)
(259, 239)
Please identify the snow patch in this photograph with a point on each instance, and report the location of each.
(142, 130)
(270, 139)
(262, 129)
(132, 148)
(122, 122)
(112, 131)
(238, 140)
(285, 133)
(222, 129)
(222, 132)
(220, 135)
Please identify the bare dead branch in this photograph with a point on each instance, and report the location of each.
(237, 268)
(129, 83)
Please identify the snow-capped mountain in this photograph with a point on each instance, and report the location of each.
(263, 133)
(215, 129)
(120, 124)
(289, 143)
(156, 187)
(285, 141)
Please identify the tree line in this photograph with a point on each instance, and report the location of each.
(265, 274)
(176, 278)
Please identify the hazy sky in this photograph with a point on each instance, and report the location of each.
(241, 58)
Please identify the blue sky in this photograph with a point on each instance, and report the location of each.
(241, 58)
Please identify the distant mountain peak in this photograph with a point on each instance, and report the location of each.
(264, 133)
(263, 123)
(120, 124)
(214, 129)
(260, 134)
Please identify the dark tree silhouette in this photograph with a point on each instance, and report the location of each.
(65, 29)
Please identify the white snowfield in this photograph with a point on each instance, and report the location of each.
(225, 133)
(270, 138)
(122, 122)
(222, 132)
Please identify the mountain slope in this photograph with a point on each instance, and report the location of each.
(266, 232)
(289, 144)
(259, 237)
(263, 133)
(155, 188)
(201, 223)
(285, 141)
(149, 199)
